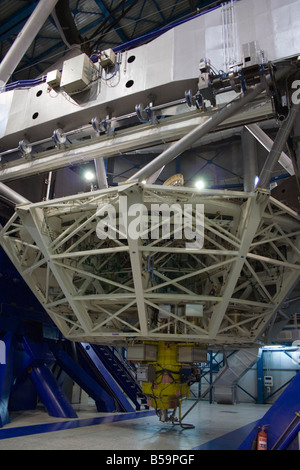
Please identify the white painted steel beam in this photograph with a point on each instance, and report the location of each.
(25, 38)
(278, 147)
(169, 130)
(268, 143)
(251, 217)
(12, 196)
(115, 290)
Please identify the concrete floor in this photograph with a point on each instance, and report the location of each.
(217, 427)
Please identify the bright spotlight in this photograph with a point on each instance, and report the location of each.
(89, 175)
(200, 184)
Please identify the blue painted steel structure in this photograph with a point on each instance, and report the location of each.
(99, 367)
(104, 402)
(50, 393)
(34, 378)
(260, 379)
(34, 346)
(281, 421)
(27, 376)
(121, 374)
(6, 380)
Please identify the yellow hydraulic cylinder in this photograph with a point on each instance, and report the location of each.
(166, 391)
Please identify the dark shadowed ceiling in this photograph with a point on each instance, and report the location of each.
(91, 24)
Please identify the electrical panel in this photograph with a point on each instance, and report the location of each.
(107, 58)
(268, 381)
(145, 373)
(190, 354)
(77, 74)
(53, 78)
(194, 310)
(142, 352)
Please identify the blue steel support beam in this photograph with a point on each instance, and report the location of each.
(289, 435)
(50, 393)
(46, 386)
(108, 14)
(159, 11)
(278, 419)
(6, 376)
(260, 379)
(111, 383)
(103, 401)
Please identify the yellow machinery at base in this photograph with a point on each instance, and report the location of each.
(166, 370)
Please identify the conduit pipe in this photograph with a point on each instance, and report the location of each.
(188, 140)
(25, 38)
(249, 150)
(12, 196)
(101, 173)
(267, 143)
(210, 387)
(277, 148)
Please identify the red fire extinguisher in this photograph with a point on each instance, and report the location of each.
(262, 439)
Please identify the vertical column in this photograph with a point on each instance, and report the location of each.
(6, 376)
(296, 132)
(250, 165)
(260, 379)
(101, 173)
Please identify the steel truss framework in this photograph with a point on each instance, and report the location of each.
(118, 290)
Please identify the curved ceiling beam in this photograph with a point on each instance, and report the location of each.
(66, 25)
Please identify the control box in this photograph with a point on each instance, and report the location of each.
(107, 58)
(145, 373)
(190, 354)
(268, 381)
(53, 78)
(77, 74)
(142, 352)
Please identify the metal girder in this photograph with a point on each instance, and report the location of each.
(25, 38)
(278, 147)
(169, 129)
(12, 196)
(110, 18)
(117, 288)
(267, 143)
(253, 211)
(194, 135)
